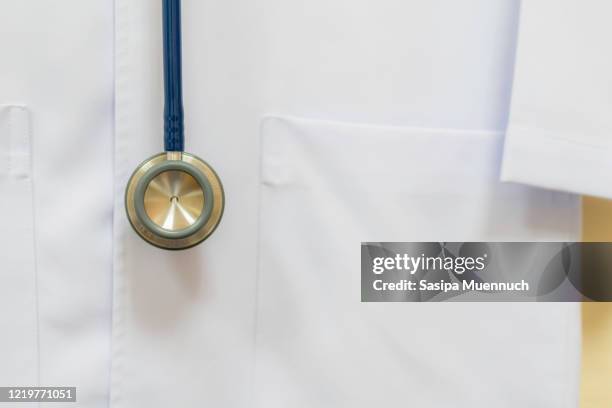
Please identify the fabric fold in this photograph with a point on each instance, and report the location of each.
(560, 127)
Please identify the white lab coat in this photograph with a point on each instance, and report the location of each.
(330, 123)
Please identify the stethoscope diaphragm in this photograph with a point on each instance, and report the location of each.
(174, 200)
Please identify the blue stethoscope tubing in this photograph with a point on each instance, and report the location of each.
(174, 127)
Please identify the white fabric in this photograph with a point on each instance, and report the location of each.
(194, 328)
(327, 186)
(561, 122)
(18, 314)
(57, 59)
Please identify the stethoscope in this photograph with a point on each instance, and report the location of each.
(174, 200)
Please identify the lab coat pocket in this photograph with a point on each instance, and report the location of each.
(18, 310)
(326, 187)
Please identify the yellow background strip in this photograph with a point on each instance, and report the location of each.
(596, 383)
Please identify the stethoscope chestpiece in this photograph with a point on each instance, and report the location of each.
(174, 200)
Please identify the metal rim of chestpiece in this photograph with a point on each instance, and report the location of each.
(174, 200)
